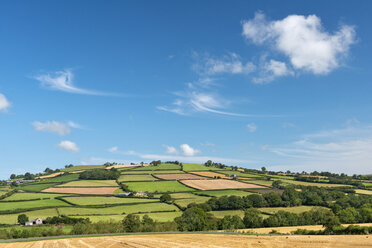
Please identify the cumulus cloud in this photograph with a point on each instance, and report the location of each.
(171, 149)
(188, 150)
(252, 127)
(271, 70)
(69, 146)
(303, 39)
(63, 81)
(55, 127)
(4, 103)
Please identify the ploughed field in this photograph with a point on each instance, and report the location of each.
(202, 240)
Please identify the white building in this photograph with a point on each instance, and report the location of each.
(36, 221)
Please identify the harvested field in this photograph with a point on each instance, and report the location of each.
(210, 174)
(90, 183)
(203, 240)
(134, 178)
(316, 184)
(157, 186)
(218, 184)
(228, 192)
(363, 192)
(50, 176)
(102, 200)
(177, 176)
(84, 191)
(263, 191)
(120, 166)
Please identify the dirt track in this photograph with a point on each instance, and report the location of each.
(203, 240)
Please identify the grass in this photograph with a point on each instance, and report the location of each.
(11, 219)
(83, 167)
(315, 184)
(100, 200)
(131, 178)
(221, 214)
(184, 199)
(157, 186)
(123, 209)
(199, 167)
(151, 172)
(36, 187)
(90, 183)
(62, 179)
(228, 192)
(260, 182)
(31, 196)
(241, 174)
(367, 184)
(6, 206)
(159, 167)
(295, 210)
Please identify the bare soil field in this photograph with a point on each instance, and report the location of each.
(119, 166)
(85, 191)
(203, 240)
(177, 176)
(210, 174)
(218, 184)
(50, 176)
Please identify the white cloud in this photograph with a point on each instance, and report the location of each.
(69, 146)
(171, 149)
(113, 149)
(188, 150)
(52, 127)
(271, 70)
(63, 81)
(74, 125)
(303, 40)
(231, 64)
(252, 127)
(4, 103)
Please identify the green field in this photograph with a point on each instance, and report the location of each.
(101, 200)
(62, 179)
(90, 183)
(36, 187)
(221, 214)
(227, 192)
(83, 167)
(367, 184)
(260, 182)
(6, 206)
(159, 167)
(151, 172)
(123, 209)
(157, 186)
(296, 210)
(199, 167)
(11, 219)
(31, 196)
(315, 184)
(241, 174)
(133, 178)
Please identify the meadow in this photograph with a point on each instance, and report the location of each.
(158, 167)
(13, 206)
(101, 200)
(218, 193)
(157, 186)
(31, 196)
(133, 178)
(90, 183)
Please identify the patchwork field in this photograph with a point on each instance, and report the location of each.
(133, 178)
(191, 198)
(210, 174)
(218, 193)
(133, 172)
(7, 206)
(203, 240)
(97, 200)
(315, 184)
(157, 186)
(83, 191)
(83, 167)
(120, 166)
(31, 196)
(260, 182)
(62, 179)
(50, 175)
(198, 167)
(178, 176)
(90, 183)
(159, 167)
(36, 187)
(218, 184)
(11, 219)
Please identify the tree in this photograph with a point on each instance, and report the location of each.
(165, 198)
(28, 176)
(22, 219)
(195, 219)
(263, 169)
(131, 223)
(252, 218)
(155, 163)
(147, 224)
(13, 176)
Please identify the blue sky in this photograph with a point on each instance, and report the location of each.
(284, 85)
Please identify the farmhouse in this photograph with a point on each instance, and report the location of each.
(125, 194)
(36, 221)
(141, 194)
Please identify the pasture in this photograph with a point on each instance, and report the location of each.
(101, 200)
(218, 193)
(90, 183)
(178, 176)
(315, 184)
(295, 210)
(31, 196)
(62, 179)
(13, 206)
(36, 187)
(159, 167)
(211, 174)
(218, 184)
(83, 191)
(11, 219)
(198, 167)
(133, 178)
(157, 186)
(82, 168)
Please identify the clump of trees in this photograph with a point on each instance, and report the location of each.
(100, 174)
(155, 163)
(210, 163)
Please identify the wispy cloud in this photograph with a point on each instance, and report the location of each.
(252, 127)
(170, 149)
(55, 127)
(69, 146)
(4, 103)
(63, 81)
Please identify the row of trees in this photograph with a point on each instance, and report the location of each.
(100, 174)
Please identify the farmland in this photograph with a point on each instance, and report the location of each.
(7, 206)
(157, 186)
(159, 167)
(133, 178)
(211, 174)
(105, 200)
(90, 183)
(177, 176)
(218, 184)
(229, 192)
(31, 196)
(88, 191)
(198, 167)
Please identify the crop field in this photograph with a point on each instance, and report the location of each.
(121, 166)
(36, 187)
(159, 167)
(199, 167)
(133, 172)
(133, 178)
(157, 186)
(203, 240)
(83, 167)
(178, 176)
(83, 191)
(90, 183)
(101, 200)
(241, 174)
(296, 210)
(363, 192)
(228, 192)
(6, 206)
(218, 184)
(122, 209)
(62, 179)
(210, 174)
(184, 199)
(260, 182)
(50, 175)
(31, 196)
(44, 213)
(315, 184)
